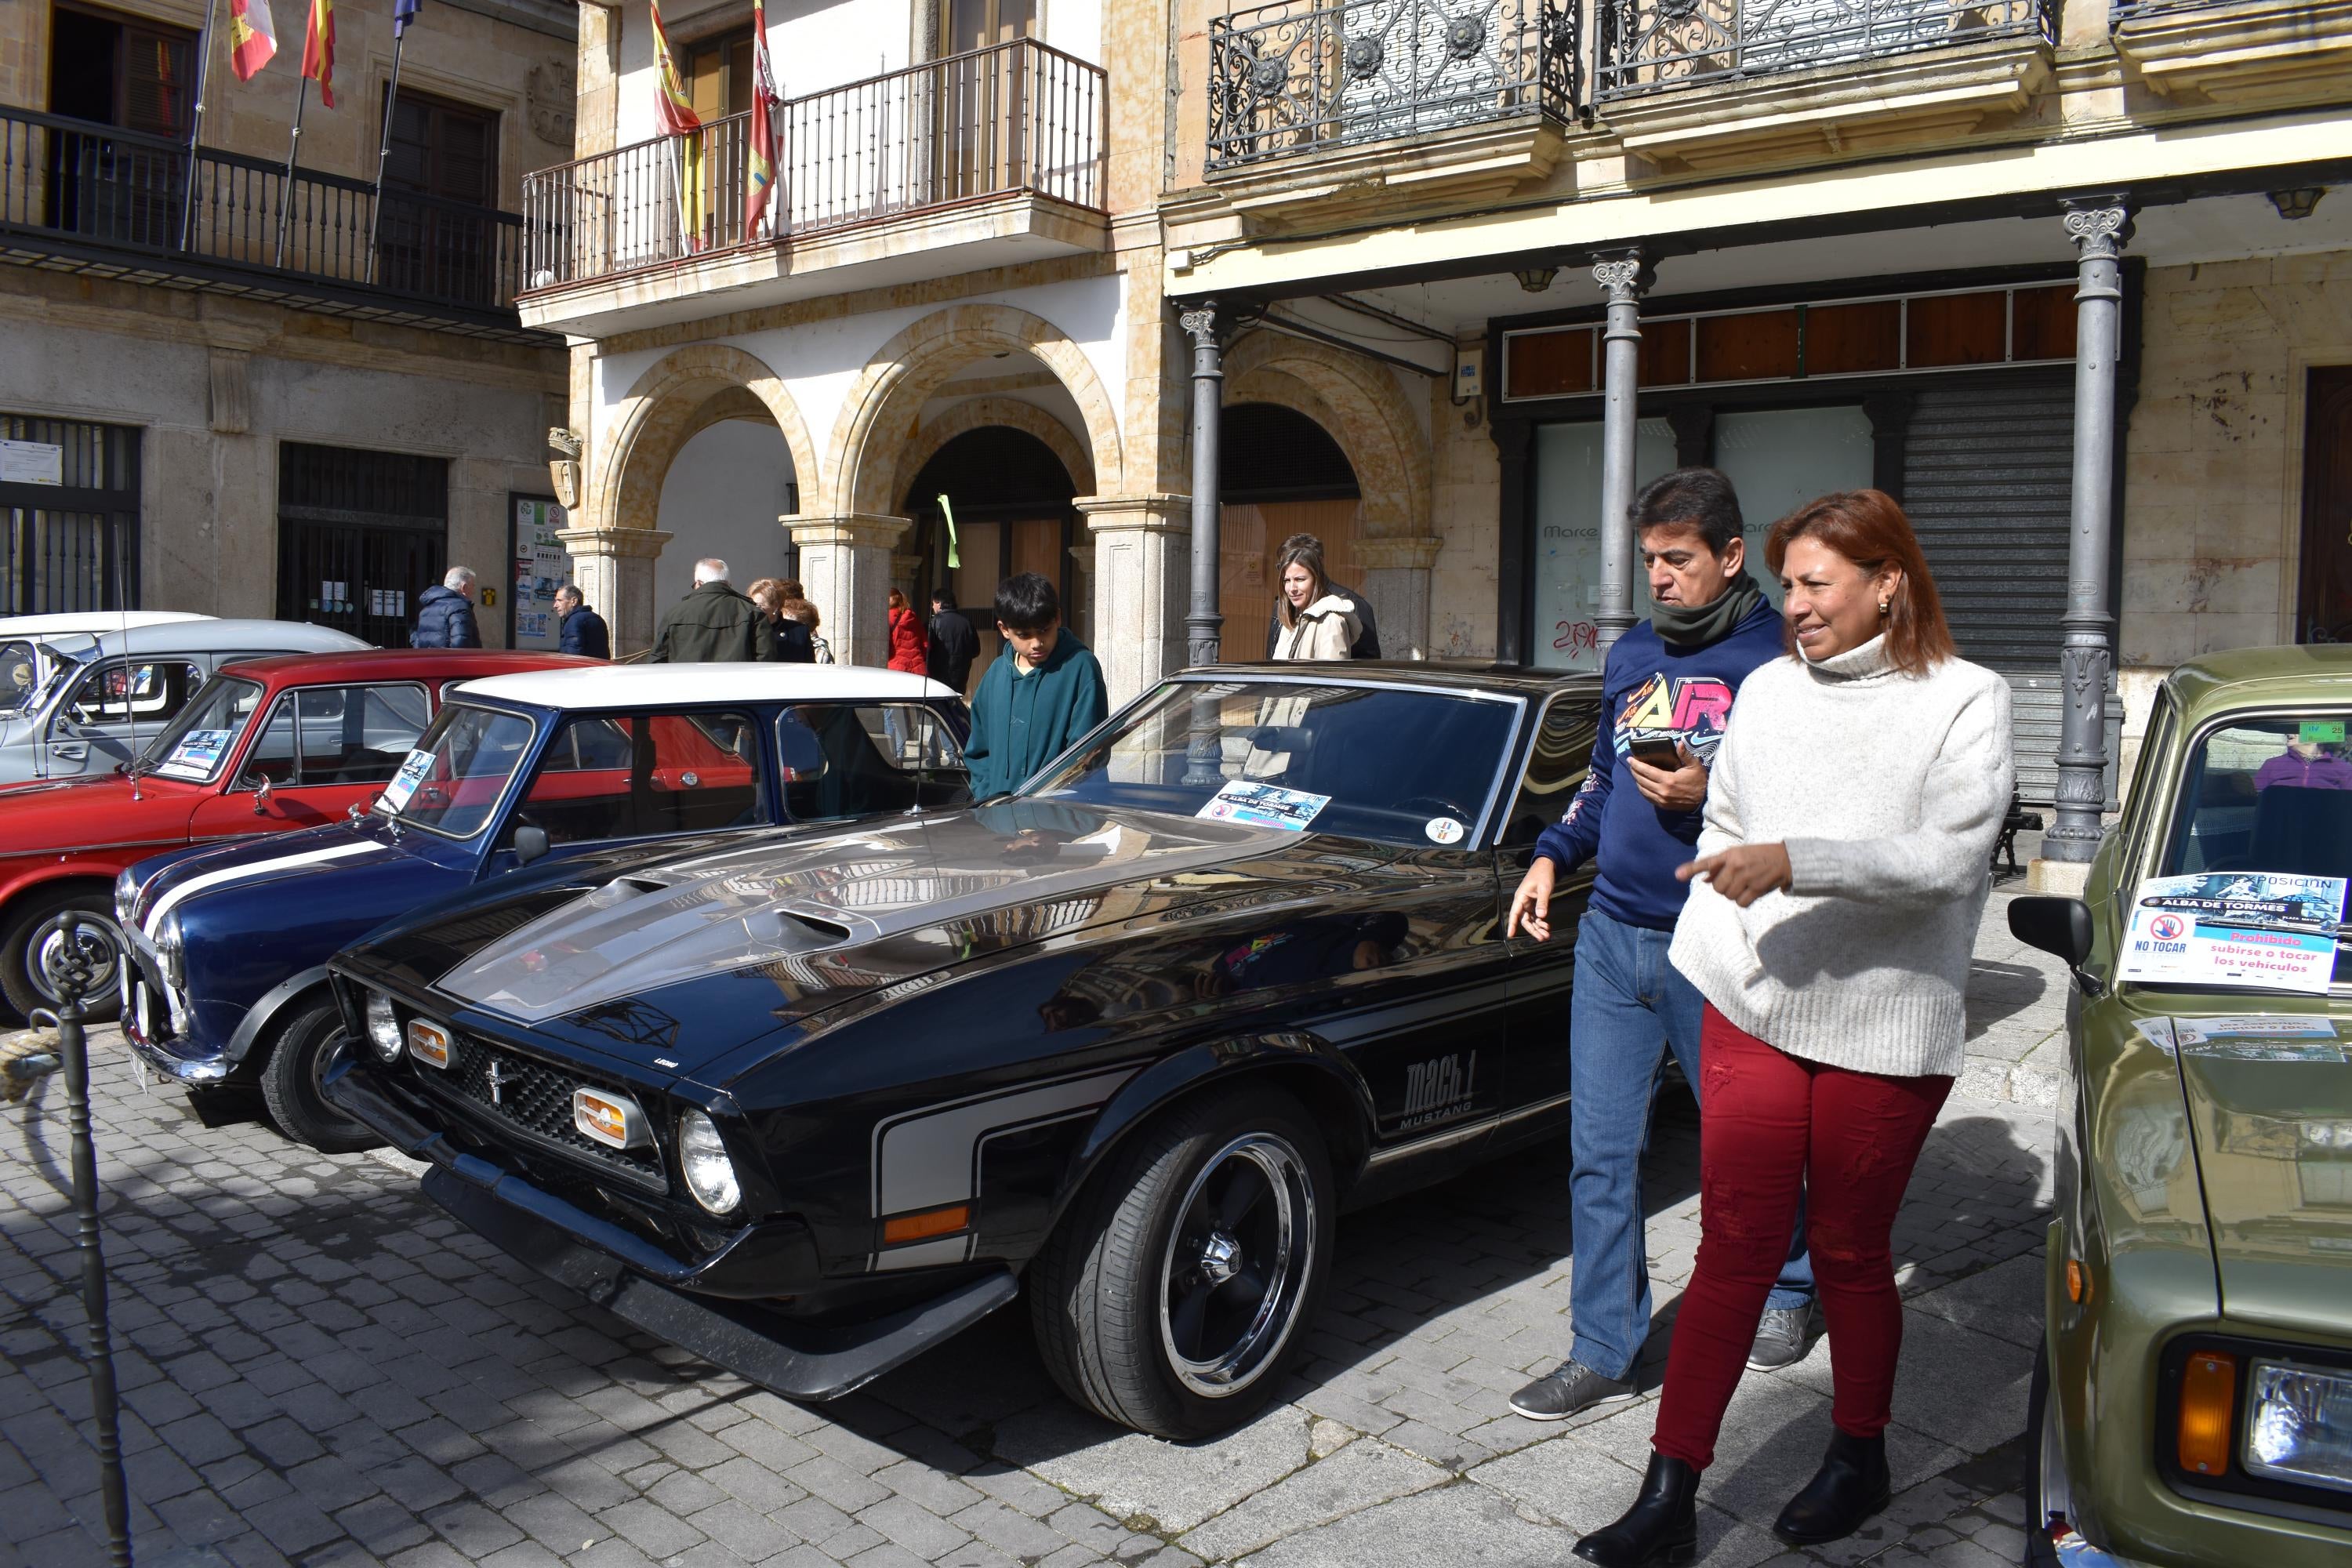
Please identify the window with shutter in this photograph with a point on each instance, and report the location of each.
(113, 71)
(449, 152)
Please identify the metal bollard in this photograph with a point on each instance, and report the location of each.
(73, 1044)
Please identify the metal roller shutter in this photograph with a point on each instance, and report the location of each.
(1988, 475)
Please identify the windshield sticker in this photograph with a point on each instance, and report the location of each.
(1443, 830)
(2197, 1031)
(1263, 805)
(403, 782)
(198, 752)
(2256, 1038)
(2321, 732)
(2252, 929)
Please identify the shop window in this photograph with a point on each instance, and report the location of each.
(1779, 458)
(1564, 566)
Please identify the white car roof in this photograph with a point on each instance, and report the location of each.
(90, 621)
(682, 685)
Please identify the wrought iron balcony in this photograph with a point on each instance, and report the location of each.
(1298, 75)
(106, 200)
(1655, 45)
(1009, 119)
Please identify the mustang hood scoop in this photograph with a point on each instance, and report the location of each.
(781, 901)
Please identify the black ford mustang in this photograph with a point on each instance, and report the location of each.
(805, 1103)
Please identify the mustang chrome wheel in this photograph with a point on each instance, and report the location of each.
(1237, 1265)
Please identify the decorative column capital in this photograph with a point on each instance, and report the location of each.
(1411, 553)
(620, 543)
(1623, 275)
(1159, 512)
(1201, 323)
(2100, 226)
(868, 530)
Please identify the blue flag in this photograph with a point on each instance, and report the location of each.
(403, 12)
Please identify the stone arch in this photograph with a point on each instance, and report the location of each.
(1357, 401)
(878, 416)
(975, 413)
(666, 407)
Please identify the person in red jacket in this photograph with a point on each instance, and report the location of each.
(907, 646)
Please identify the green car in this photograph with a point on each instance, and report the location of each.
(2193, 1402)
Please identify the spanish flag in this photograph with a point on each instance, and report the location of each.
(674, 110)
(759, 163)
(319, 49)
(252, 37)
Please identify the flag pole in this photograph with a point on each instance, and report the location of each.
(383, 151)
(286, 187)
(196, 124)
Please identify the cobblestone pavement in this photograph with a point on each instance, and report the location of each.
(320, 1367)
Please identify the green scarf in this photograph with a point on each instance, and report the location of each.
(1691, 626)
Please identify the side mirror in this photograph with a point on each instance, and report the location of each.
(801, 753)
(2061, 927)
(529, 843)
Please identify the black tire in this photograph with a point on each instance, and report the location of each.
(301, 1050)
(32, 943)
(1150, 1252)
(2040, 1433)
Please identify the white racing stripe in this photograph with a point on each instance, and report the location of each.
(246, 872)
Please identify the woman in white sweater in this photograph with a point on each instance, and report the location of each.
(1311, 621)
(1840, 876)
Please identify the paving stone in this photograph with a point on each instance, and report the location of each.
(1457, 1524)
(1360, 1475)
(1177, 1485)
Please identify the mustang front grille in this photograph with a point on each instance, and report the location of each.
(535, 1098)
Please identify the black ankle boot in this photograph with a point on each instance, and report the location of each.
(1848, 1489)
(1661, 1527)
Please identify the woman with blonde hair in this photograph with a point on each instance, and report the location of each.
(1842, 873)
(1312, 622)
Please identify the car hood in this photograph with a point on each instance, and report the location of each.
(2273, 1119)
(277, 860)
(93, 813)
(837, 913)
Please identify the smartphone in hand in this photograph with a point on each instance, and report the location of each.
(1658, 752)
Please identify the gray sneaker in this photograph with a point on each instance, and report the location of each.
(1780, 1338)
(1568, 1390)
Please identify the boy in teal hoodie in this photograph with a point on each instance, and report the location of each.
(1044, 691)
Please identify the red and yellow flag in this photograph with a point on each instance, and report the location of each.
(319, 49)
(760, 163)
(252, 34)
(674, 110)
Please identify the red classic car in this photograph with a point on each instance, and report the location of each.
(268, 745)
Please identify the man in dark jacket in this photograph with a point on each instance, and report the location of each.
(1368, 636)
(713, 624)
(445, 616)
(954, 644)
(579, 629)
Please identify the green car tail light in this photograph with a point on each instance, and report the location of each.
(2299, 1424)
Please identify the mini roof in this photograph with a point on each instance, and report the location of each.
(683, 685)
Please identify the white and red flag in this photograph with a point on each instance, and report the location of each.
(252, 37)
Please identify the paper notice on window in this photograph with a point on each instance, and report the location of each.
(2243, 930)
(1263, 805)
(195, 754)
(403, 782)
(32, 463)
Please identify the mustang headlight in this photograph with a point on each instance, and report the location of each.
(382, 1027)
(2299, 1424)
(703, 1160)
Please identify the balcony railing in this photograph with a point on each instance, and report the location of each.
(1651, 46)
(116, 190)
(2127, 10)
(1298, 75)
(1010, 118)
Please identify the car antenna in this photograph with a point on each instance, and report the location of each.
(129, 702)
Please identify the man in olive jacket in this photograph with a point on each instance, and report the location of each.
(713, 624)
(1044, 691)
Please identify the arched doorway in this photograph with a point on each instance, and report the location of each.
(1279, 473)
(725, 490)
(1011, 495)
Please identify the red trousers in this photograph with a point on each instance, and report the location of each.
(1772, 1126)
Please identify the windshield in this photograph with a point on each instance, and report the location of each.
(1397, 764)
(196, 743)
(21, 667)
(452, 782)
(2266, 801)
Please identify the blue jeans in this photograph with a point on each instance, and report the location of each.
(1628, 1004)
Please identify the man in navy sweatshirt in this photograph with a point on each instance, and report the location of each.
(1666, 690)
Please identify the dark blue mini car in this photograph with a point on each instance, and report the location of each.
(228, 982)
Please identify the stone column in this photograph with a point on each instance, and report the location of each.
(1396, 577)
(1139, 578)
(2100, 229)
(1082, 591)
(845, 567)
(1625, 276)
(613, 569)
(1205, 623)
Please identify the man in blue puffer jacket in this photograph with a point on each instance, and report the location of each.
(445, 616)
